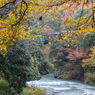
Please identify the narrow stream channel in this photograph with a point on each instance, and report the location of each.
(55, 86)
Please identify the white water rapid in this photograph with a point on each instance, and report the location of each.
(55, 86)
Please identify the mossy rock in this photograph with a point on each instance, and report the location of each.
(59, 72)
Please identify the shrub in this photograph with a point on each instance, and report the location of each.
(50, 67)
(92, 59)
(3, 86)
(90, 78)
(57, 53)
(78, 13)
(18, 67)
(33, 91)
(87, 41)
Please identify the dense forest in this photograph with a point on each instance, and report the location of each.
(38, 37)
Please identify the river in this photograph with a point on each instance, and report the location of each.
(56, 86)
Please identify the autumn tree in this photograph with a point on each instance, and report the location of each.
(11, 23)
(14, 13)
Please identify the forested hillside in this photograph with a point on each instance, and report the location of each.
(38, 37)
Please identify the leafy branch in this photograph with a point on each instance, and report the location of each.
(22, 14)
(91, 16)
(13, 2)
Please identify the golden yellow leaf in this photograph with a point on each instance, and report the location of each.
(49, 43)
(37, 30)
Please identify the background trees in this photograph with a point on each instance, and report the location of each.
(27, 19)
(18, 10)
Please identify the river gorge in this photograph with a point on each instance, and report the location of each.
(56, 86)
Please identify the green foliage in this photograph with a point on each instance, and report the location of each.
(79, 19)
(84, 13)
(50, 67)
(90, 69)
(55, 25)
(18, 68)
(57, 52)
(55, 22)
(37, 40)
(19, 64)
(33, 91)
(54, 45)
(3, 86)
(90, 78)
(82, 41)
(87, 41)
(92, 55)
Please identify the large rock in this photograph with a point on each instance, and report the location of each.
(59, 71)
(42, 68)
(45, 67)
(69, 71)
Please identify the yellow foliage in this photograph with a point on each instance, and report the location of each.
(92, 55)
(37, 30)
(49, 43)
(8, 32)
(33, 91)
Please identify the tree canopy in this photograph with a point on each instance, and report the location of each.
(12, 21)
(27, 20)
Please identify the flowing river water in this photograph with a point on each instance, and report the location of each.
(56, 86)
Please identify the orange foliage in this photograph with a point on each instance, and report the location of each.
(11, 27)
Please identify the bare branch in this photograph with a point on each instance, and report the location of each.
(13, 2)
(93, 24)
(58, 4)
(86, 21)
(80, 15)
(22, 14)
